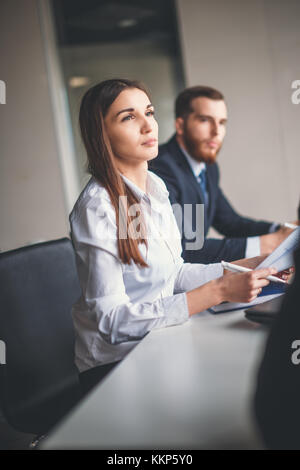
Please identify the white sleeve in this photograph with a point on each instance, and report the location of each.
(190, 275)
(103, 289)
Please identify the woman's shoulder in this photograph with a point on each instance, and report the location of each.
(93, 196)
(93, 219)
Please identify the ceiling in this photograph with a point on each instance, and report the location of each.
(100, 21)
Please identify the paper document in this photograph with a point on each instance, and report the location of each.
(282, 257)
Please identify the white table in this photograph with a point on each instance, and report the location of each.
(182, 387)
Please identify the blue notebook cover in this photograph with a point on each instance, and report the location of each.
(271, 289)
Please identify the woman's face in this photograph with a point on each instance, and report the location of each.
(132, 128)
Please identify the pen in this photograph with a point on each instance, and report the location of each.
(240, 269)
(288, 225)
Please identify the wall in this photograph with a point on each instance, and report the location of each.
(250, 51)
(32, 204)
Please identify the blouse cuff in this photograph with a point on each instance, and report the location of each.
(176, 310)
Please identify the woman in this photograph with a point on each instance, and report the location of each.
(132, 276)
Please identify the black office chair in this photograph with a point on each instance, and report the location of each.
(39, 381)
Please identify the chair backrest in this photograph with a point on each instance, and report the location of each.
(38, 285)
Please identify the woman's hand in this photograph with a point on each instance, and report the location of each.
(234, 287)
(244, 287)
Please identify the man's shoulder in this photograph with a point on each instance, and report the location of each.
(169, 149)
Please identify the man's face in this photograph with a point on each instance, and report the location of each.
(203, 130)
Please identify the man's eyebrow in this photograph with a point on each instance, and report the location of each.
(209, 117)
(203, 115)
(128, 110)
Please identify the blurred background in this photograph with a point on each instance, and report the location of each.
(52, 51)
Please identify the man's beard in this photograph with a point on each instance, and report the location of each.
(194, 149)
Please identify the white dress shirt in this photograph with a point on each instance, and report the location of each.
(121, 303)
(196, 166)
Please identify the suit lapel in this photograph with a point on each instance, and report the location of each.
(176, 151)
(210, 190)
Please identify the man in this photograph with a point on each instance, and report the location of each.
(187, 164)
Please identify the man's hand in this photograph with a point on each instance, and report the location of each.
(286, 274)
(269, 242)
(252, 263)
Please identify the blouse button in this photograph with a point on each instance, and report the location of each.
(93, 191)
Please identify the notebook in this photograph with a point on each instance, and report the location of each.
(269, 292)
(281, 258)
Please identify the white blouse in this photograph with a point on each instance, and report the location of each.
(121, 303)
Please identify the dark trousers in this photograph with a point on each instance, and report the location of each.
(89, 378)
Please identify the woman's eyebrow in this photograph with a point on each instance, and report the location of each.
(128, 110)
(125, 111)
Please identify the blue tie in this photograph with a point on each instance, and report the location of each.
(202, 182)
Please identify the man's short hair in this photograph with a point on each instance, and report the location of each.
(183, 101)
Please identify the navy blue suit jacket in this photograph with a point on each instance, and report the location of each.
(172, 166)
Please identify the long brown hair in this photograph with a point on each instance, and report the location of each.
(101, 163)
